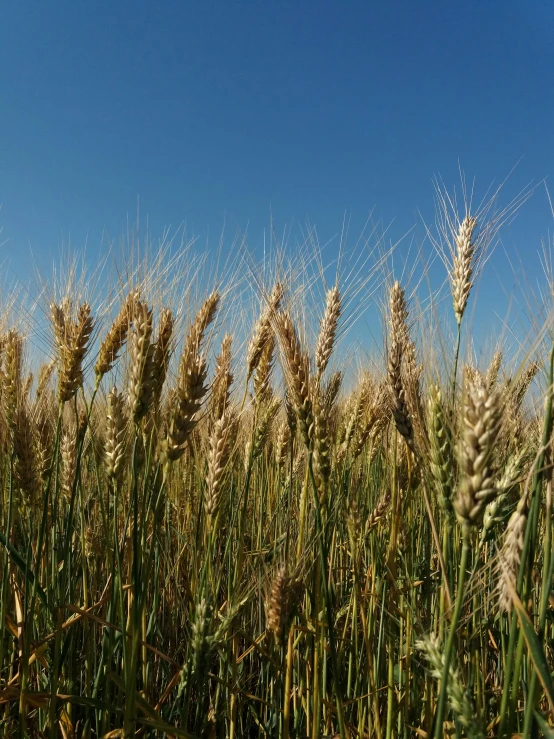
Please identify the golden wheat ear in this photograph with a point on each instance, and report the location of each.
(482, 423)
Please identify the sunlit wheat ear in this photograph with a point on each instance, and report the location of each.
(72, 337)
(141, 352)
(330, 391)
(262, 373)
(201, 323)
(296, 368)
(114, 444)
(290, 414)
(116, 337)
(481, 425)
(328, 330)
(398, 336)
(263, 426)
(27, 385)
(186, 399)
(400, 411)
(372, 422)
(412, 372)
(508, 484)
(262, 330)
(18, 421)
(462, 267)
(26, 469)
(201, 637)
(493, 369)
(44, 376)
(281, 603)
(223, 380)
(221, 442)
(282, 445)
(458, 697)
(352, 416)
(378, 513)
(441, 457)
(523, 384)
(11, 376)
(162, 353)
(68, 450)
(510, 555)
(16, 416)
(398, 316)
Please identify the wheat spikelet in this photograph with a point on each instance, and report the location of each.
(290, 414)
(441, 458)
(25, 469)
(398, 316)
(281, 603)
(330, 391)
(44, 376)
(201, 638)
(411, 379)
(328, 330)
(378, 513)
(282, 444)
(18, 422)
(400, 411)
(72, 339)
(510, 555)
(141, 351)
(482, 422)
(263, 427)
(262, 331)
(68, 450)
(353, 416)
(493, 369)
(115, 338)
(223, 380)
(262, 376)
(398, 337)
(114, 444)
(27, 385)
(186, 401)
(218, 456)
(296, 368)
(458, 696)
(372, 421)
(507, 484)
(524, 382)
(462, 267)
(472, 377)
(11, 376)
(199, 326)
(162, 353)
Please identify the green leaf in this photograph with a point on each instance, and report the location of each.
(536, 651)
(22, 565)
(547, 730)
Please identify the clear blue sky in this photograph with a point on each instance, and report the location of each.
(307, 109)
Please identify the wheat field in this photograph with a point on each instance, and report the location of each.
(212, 527)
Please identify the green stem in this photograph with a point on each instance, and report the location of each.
(441, 706)
(456, 359)
(328, 604)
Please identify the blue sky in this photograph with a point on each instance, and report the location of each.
(230, 111)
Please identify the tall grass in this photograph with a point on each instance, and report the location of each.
(246, 547)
